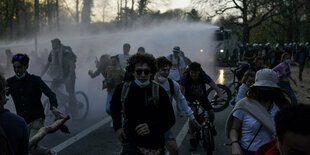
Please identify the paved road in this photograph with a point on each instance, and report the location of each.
(95, 135)
(102, 140)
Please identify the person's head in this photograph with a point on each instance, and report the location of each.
(194, 70)
(163, 66)
(104, 58)
(266, 88)
(293, 130)
(141, 50)
(272, 53)
(2, 90)
(56, 44)
(126, 48)
(248, 78)
(285, 57)
(176, 50)
(114, 60)
(20, 63)
(142, 66)
(259, 63)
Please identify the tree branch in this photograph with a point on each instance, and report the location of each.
(46, 130)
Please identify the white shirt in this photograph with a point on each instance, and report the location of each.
(178, 97)
(123, 60)
(241, 92)
(250, 126)
(177, 65)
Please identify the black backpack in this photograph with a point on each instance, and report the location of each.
(5, 147)
(171, 85)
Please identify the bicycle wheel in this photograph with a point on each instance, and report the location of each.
(234, 87)
(207, 141)
(212, 96)
(82, 106)
(49, 117)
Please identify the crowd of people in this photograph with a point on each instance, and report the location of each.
(141, 90)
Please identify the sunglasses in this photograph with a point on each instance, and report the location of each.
(146, 71)
(17, 57)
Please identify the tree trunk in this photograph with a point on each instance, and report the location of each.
(77, 12)
(57, 14)
(86, 11)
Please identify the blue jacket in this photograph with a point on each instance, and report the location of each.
(16, 131)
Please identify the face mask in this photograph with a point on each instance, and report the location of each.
(142, 85)
(19, 77)
(264, 95)
(162, 79)
(6, 99)
(288, 61)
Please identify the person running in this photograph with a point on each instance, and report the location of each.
(114, 75)
(101, 66)
(193, 86)
(251, 123)
(284, 74)
(13, 127)
(26, 90)
(146, 109)
(173, 90)
(302, 56)
(123, 57)
(61, 68)
(178, 64)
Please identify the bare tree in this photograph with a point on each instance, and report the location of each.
(86, 11)
(291, 17)
(248, 13)
(77, 16)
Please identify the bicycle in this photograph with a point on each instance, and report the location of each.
(80, 111)
(212, 97)
(207, 132)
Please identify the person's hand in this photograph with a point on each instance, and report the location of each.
(57, 113)
(90, 72)
(295, 83)
(236, 149)
(120, 133)
(211, 115)
(142, 129)
(195, 124)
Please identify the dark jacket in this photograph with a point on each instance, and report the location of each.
(196, 91)
(26, 93)
(16, 131)
(140, 108)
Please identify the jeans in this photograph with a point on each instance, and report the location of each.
(107, 106)
(286, 85)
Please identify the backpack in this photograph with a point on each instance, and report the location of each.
(125, 91)
(5, 146)
(171, 85)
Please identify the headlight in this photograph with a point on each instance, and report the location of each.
(221, 51)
